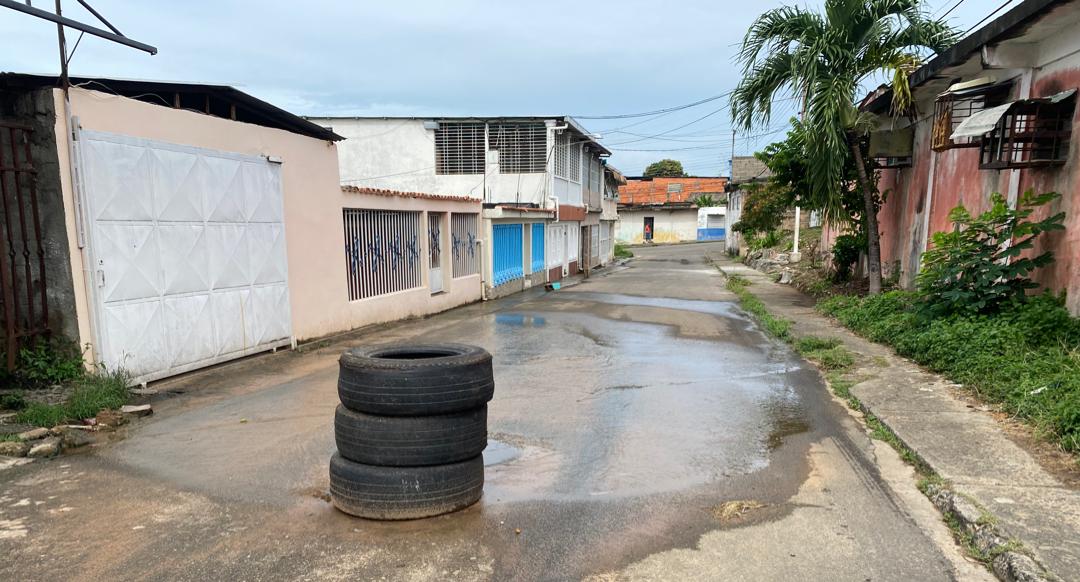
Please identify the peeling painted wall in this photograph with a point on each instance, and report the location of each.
(938, 182)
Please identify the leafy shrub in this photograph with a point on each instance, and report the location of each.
(768, 240)
(13, 401)
(763, 208)
(1027, 357)
(47, 362)
(978, 266)
(622, 251)
(845, 253)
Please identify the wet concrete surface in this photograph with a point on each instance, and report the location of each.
(627, 408)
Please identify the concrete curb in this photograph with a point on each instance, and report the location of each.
(1007, 563)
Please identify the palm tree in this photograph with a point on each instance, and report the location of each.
(823, 58)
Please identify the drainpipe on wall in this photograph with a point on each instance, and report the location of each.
(483, 271)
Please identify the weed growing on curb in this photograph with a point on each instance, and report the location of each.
(777, 327)
(93, 392)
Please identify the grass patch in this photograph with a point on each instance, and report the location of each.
(93, 392)
(825, 352)
(1027, 359)
(622, 251)
(777, 327)
(10, 438)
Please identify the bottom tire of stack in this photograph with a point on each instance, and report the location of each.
(393, 493)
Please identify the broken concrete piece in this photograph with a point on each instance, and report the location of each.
(14, 449)
(34, 434)
(45, 448)
(144, 391)
(785, 277)
(73, 439)
(137, 410)
(110, 418)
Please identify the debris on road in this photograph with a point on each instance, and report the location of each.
(34, 434)
(137, 409)
(732, 510)
(48, 447)
(14, 448)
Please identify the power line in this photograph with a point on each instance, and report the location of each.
(988, 16)
(949, 11)
(657, 111)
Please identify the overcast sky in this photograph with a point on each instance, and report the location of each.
(458, 57)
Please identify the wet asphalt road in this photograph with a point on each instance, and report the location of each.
(627, 410)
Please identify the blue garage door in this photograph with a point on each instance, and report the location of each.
(508, 253)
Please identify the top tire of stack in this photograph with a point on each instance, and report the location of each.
(415, 380)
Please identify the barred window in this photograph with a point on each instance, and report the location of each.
(1035, 132)
(562, 155)
(382, 251)
(574, 169)
(522, 146)
(463, 238)
(459, 148)
(595, 174)
(951, 109)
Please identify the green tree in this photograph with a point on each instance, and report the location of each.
(706, 201)
(823, 59)
(665, 169)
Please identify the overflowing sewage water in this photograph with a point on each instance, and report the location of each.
(606, 395)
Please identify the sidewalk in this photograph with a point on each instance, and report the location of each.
(999, 488)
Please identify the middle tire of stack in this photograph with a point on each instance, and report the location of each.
(409, 441)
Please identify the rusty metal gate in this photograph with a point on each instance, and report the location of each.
(24, 308)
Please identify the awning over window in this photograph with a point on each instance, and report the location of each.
(986, 120)
(982, 122)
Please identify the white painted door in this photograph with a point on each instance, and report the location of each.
(187, 248)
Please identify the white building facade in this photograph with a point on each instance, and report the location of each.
(541, 181)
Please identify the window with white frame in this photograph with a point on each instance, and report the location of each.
(522, 146)
(459, 148)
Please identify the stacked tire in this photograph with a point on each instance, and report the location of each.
(410, 430)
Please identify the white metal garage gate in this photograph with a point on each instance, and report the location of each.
(187, 247)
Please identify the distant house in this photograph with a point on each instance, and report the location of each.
(663, 210)
(546, 209)
(996, 114)
(745, 171)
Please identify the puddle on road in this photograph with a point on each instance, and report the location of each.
(723, 308)
(498, 452)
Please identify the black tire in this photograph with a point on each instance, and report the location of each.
(416, 380)
(410, 441)
(393, 493)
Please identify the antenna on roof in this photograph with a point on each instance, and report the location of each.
(61, 21)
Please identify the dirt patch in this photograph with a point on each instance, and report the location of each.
(734, 510)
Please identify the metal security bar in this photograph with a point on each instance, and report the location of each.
(459, 148)
(522, 146)
(382, 251)
(574, 168)
(463, 240)
(537, 247)
(507, 253)
(24, 307)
